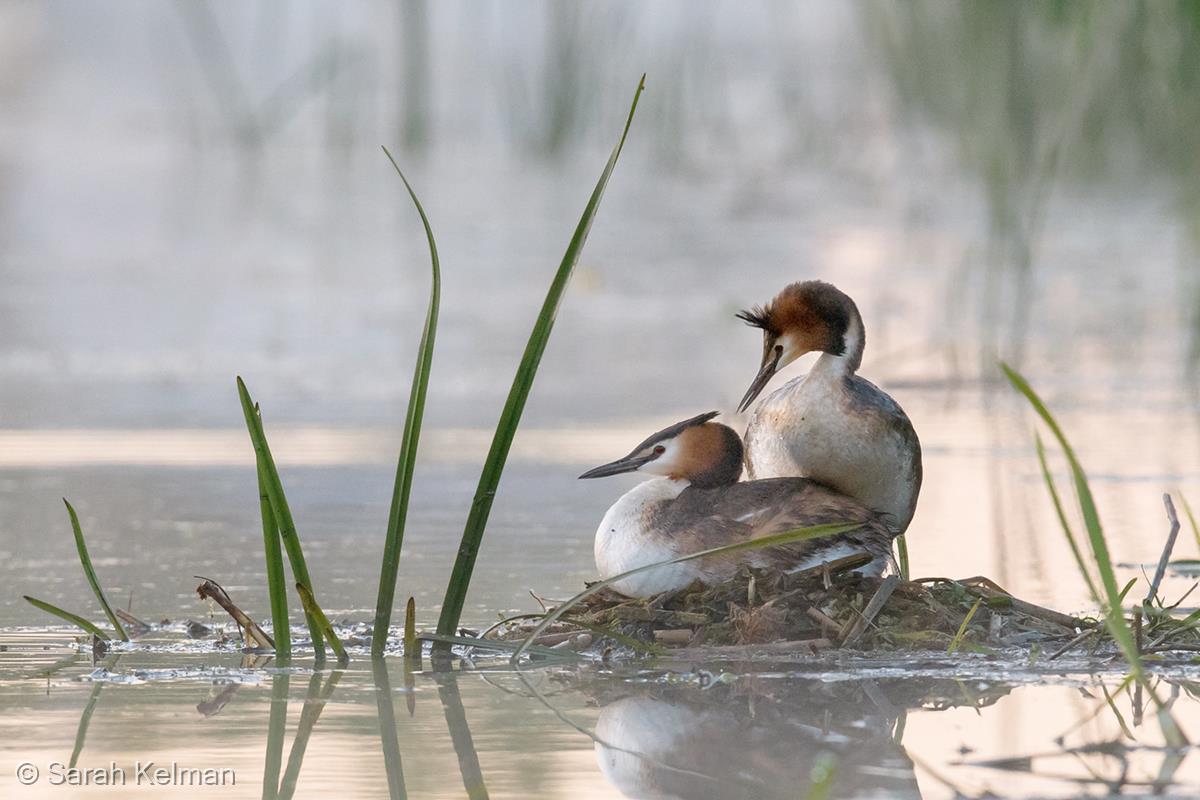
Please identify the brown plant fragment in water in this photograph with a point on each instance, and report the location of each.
(211, 590)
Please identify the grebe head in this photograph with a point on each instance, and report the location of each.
(803, 318)
(701, 452)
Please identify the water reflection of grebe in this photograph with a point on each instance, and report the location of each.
(686, 742)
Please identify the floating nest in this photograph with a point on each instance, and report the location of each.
(830, 607)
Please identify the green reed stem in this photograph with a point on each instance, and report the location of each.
(1076, 553)
(276, 582)
(279, 506)
(409, 443)
(86, 562)
(464, 565)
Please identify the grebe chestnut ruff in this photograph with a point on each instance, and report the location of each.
(830, 425)
(699, 504)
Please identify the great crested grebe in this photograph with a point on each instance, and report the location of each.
(829, 425)
(700, 504)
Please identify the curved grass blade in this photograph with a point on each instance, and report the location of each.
(787, 537)
(276, 585)
(313, 610)
(279, 506)
(408, 444)
(510, 417)
(1118, 626)
(1114, 615)
(86, 562)
(1062, 519)
(74, 619)
(902, 554)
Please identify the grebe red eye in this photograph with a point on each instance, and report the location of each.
(659, 450)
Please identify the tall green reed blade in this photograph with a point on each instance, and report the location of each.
(510, 417)
(776, 540)
(74, 619)
(279, 507)
(86, 562)
(1114, 615)
(408, 444)
(276, 584)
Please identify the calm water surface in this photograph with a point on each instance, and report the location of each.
(872, 728)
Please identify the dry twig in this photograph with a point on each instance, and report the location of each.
(872, 610)
(1166, 553)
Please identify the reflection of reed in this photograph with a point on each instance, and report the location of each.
(85, 719)
(313, 704)
(276, 729)
(460, 734)
(388, 736)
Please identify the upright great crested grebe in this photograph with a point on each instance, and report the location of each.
(700, 504)
(829, 425)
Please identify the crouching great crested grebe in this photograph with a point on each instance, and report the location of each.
(829, 425)
(699, 504)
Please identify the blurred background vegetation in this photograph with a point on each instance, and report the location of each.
(192, 190)
(992, 146)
